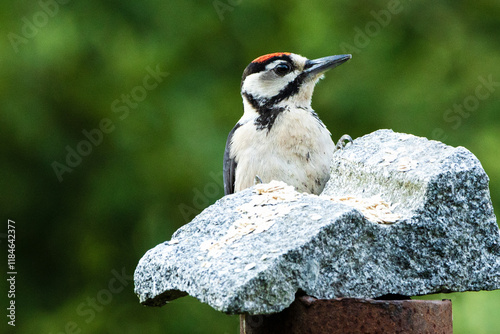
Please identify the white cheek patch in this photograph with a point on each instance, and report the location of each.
(261, 85)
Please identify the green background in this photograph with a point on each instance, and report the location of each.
(64, 65)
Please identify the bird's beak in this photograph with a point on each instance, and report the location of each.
(321, 65)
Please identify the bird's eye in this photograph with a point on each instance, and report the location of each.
(282, 69)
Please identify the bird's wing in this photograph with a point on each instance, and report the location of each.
(229, 167)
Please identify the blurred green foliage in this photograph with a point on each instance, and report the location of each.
(66, 66)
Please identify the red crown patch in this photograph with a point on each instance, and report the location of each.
(263, 58)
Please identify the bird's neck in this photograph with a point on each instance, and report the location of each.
(258, 106)
(264, 115)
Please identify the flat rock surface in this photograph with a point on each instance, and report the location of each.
(400, 215)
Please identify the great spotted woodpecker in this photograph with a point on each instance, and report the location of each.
(280, 137)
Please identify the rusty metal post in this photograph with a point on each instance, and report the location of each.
(348, 315)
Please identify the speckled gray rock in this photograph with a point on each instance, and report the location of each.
(445, 240)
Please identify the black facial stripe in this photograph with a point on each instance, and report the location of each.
(262, 104)
(290, 89)
(252, 100)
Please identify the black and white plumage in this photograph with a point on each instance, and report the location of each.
(280, 137)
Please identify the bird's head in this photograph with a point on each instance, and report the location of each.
(283, 78)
